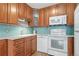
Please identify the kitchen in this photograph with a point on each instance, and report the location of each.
(34, 29)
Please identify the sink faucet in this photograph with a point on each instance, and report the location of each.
(22, 32)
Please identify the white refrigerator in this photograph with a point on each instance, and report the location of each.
(76, 31)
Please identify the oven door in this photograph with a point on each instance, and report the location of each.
(58, 44)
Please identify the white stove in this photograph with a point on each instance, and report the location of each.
(57, 42)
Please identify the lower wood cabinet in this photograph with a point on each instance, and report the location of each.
(18, 47)
(70, 46)
(34, 45)
(3, 48)
(28, 46)
(25, 46)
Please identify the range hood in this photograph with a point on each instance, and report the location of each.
(23, 22)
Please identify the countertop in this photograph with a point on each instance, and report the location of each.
(22, 36)
(16, 37)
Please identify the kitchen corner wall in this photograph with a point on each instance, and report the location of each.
(12, 30)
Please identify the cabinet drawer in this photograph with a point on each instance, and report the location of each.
(19, 45)
(18, 41)
(19, 54)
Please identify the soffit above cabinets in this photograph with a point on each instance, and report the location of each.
(40, 5)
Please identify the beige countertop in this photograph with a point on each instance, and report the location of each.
(16, 37)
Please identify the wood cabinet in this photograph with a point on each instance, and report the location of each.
(61, 9)
(41, 17)
(19, 47)
(30, 15)
(25, 47)
(43, 20)
(28, 46)
(52, 10)
(3, 48)
(12, 13)
(21, 10)
(3, 12)
(58, 9)
(25, 11)
(34, 44)
(71, 46)
(45, 13)
(46, 19)
(70, 13)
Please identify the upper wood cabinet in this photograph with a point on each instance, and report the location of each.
(61, 9)
(3, 12)
(41, 17)
(30, 15)
(58, 9)
(52, 10)
(70, 13)
(25, 11)
(21, 10)
(13, 13)
(46, 19)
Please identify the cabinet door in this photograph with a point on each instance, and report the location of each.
(34, 44)
(3, 12)
(30, 15)
(12, 13)
(41, 17)
(71, 46)
(70, 13)
(3, 48)
(52, 10)
(21, 10)
(25, 11)
(28, 46)
(29, 12)
(19, 47)
(46, 20)
(61, 9)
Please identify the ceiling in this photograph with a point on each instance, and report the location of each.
(40, 5)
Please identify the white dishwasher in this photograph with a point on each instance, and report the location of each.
(42, 43)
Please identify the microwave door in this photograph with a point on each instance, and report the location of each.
(53, 20)
(59, 19)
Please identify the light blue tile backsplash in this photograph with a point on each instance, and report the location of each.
(9, 30)
(70, 30)
(12, 30)
(42, 30)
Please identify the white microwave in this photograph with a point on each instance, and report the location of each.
(58, 20)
